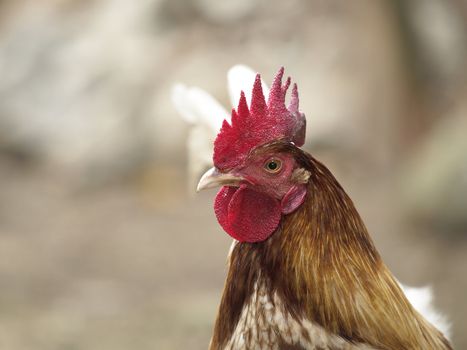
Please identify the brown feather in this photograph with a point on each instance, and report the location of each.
(323, 265)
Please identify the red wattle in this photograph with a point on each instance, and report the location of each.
(247, 215)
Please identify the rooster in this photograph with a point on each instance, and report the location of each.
(303, 270)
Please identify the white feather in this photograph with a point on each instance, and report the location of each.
(422, 300)
(206, 114)
(199, 147)
(241, 78)
(198, 107)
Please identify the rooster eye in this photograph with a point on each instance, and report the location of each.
(273, 166)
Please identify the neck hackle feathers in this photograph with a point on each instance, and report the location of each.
(260, 123)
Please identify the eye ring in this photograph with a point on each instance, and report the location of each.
(273, 165)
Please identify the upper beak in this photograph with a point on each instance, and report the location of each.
(214, 178)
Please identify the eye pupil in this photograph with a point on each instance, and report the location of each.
(273, 166)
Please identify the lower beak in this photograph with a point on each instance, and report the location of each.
(214, 178)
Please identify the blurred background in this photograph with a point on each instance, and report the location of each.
(103, 244)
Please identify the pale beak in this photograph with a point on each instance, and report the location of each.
(214, 178)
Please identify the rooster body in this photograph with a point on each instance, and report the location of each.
(317, 282)
(303, 271)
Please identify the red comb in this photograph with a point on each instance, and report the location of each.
(259, 124)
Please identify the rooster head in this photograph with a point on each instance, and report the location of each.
(258, 163)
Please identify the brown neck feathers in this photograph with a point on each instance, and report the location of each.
(324, 267)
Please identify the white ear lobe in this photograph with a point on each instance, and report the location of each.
(241, 78)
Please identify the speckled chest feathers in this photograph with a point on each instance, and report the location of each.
(317, 283)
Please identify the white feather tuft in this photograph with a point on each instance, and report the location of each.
(198, 107)
(206, 114)
(422, 300)
(241, 78)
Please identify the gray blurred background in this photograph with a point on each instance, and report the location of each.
(103, 244)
